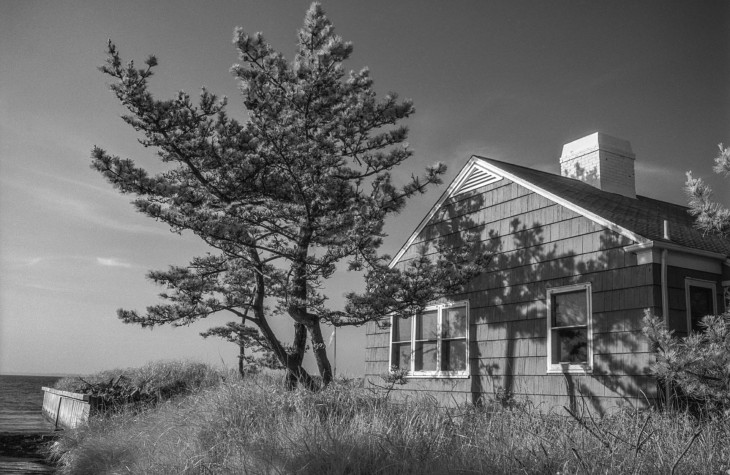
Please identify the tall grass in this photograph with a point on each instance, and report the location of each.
(255, 426)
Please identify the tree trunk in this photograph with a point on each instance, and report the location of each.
(293, 360)
(298, 307)
(241, 354)
(295, 372)
(320, 353)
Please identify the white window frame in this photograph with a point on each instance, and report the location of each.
(587, 367)
(708, 284)
(412, 373)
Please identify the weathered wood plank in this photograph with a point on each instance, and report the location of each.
(377, 354)
(378, 340)
(66, 409)
(375, 368)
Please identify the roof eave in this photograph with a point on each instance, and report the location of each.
(670, 246)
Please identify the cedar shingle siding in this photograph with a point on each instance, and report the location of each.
(538, 244)
(545, 232)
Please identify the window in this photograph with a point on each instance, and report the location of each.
(700, 299)
(432, 343)
(570, 337)
(726, 293)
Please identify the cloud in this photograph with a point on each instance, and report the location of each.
(25, 262)
(112, 262)
(19, 262)
(22, 261)
(86, 209)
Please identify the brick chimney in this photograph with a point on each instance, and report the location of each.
(602, 161)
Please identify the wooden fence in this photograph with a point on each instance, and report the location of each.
(66, 409)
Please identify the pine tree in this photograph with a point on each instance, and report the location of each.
(711, 217)
(698, 367)
(302, 185)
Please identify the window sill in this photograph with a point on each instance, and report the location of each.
(439, 375)
(570, 369)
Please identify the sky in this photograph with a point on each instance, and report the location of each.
(510, 80)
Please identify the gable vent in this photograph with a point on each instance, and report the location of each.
(478, 177)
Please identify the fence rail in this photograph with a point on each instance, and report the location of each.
(66, 409)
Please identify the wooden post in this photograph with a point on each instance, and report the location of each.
(58, 411)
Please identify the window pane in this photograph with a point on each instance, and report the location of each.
(402, 356)
(570, 346)
(453, 357)
(570, 308)
(402, 330)
(426, 324)
(425, 357)
(700, 304)
(454, 322)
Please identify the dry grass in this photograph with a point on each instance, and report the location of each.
(254, 426)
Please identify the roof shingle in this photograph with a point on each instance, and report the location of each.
(643, 216)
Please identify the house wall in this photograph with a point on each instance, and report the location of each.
(537, 244)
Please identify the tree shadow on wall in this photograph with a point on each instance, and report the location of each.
(512, 351)
(584, 175)
(508, 331)
(454, 225)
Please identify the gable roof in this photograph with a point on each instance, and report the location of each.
(640, 219)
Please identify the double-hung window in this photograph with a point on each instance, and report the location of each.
(569, 329)
(434, 342)
(700, 301)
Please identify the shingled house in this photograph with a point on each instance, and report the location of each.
(578, 257)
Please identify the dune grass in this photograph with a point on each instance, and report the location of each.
(255, 426)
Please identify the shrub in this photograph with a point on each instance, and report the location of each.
(696, 368)
(154, 382)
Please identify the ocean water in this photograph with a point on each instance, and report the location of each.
(21, 402)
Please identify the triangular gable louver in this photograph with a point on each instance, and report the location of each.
(475, 177)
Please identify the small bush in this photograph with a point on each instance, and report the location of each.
(696, 368)
(155, 382)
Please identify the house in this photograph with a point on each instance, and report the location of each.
(578, 257)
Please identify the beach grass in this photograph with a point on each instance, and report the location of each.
(256, 426)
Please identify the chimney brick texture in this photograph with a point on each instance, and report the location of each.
(602, 161)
